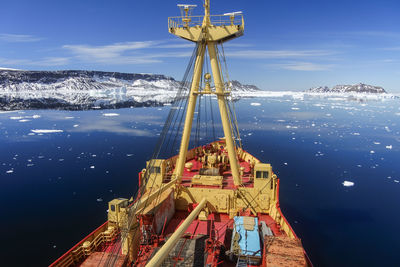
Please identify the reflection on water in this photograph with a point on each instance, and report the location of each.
(337, 161)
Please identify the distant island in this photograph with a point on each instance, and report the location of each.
(81, 89)
(356, 88)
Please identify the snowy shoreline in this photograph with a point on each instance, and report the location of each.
(82, 90)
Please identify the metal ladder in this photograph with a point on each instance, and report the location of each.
(241, 262)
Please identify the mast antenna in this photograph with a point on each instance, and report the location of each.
(186, 12)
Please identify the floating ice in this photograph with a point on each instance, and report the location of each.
(10, 171)
(92, 167)
(76, 125)
(396, 181)
(295, 108)
(110, 114)
(46, 131)
(377, 143)
(348, 183)
(255, 104)
(68, 118)
(99, 199)
(355, 133)
(36, 116)
(387, 129)
(372, 152)
(389, 147)
(24, 120)
(129, 155)
(16, 118)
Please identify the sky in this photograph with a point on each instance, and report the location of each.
(287, 45)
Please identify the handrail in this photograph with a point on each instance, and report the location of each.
(77, 252)
(216, 20)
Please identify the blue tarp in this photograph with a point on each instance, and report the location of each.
(249, 241)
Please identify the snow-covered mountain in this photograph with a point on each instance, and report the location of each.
(73, 89)
(356, 88)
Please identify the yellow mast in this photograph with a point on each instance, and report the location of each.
(207, 36)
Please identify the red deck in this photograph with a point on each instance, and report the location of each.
(227, 182)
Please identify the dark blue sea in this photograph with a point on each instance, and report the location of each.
(338, 162)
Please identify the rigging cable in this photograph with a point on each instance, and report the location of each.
(131, 218)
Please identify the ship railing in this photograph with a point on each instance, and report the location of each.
(216, 20)
(101, 239)
(87, 246)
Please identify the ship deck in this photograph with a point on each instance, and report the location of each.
(227, 182)
(218, 226)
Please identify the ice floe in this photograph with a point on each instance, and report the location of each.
(389, 147)
(110, 114)
(348, 183)
(41, 131)
(255, 104)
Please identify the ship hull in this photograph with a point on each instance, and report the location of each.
(281, 246)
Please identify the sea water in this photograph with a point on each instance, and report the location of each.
(338, 164)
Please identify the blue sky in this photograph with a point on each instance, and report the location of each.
(288, 44)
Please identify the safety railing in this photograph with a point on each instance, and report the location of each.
(216, 20)
(85, 247)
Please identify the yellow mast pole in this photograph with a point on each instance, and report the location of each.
(197, 72)
(219, 88)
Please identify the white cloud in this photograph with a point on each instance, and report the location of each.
(381, 34)
(263, 54)
(47, 61)
(185, 45)
(107, 51)
(118, 53)
(127, 53)
(395, 48)
(18, 38)
(303, 66)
